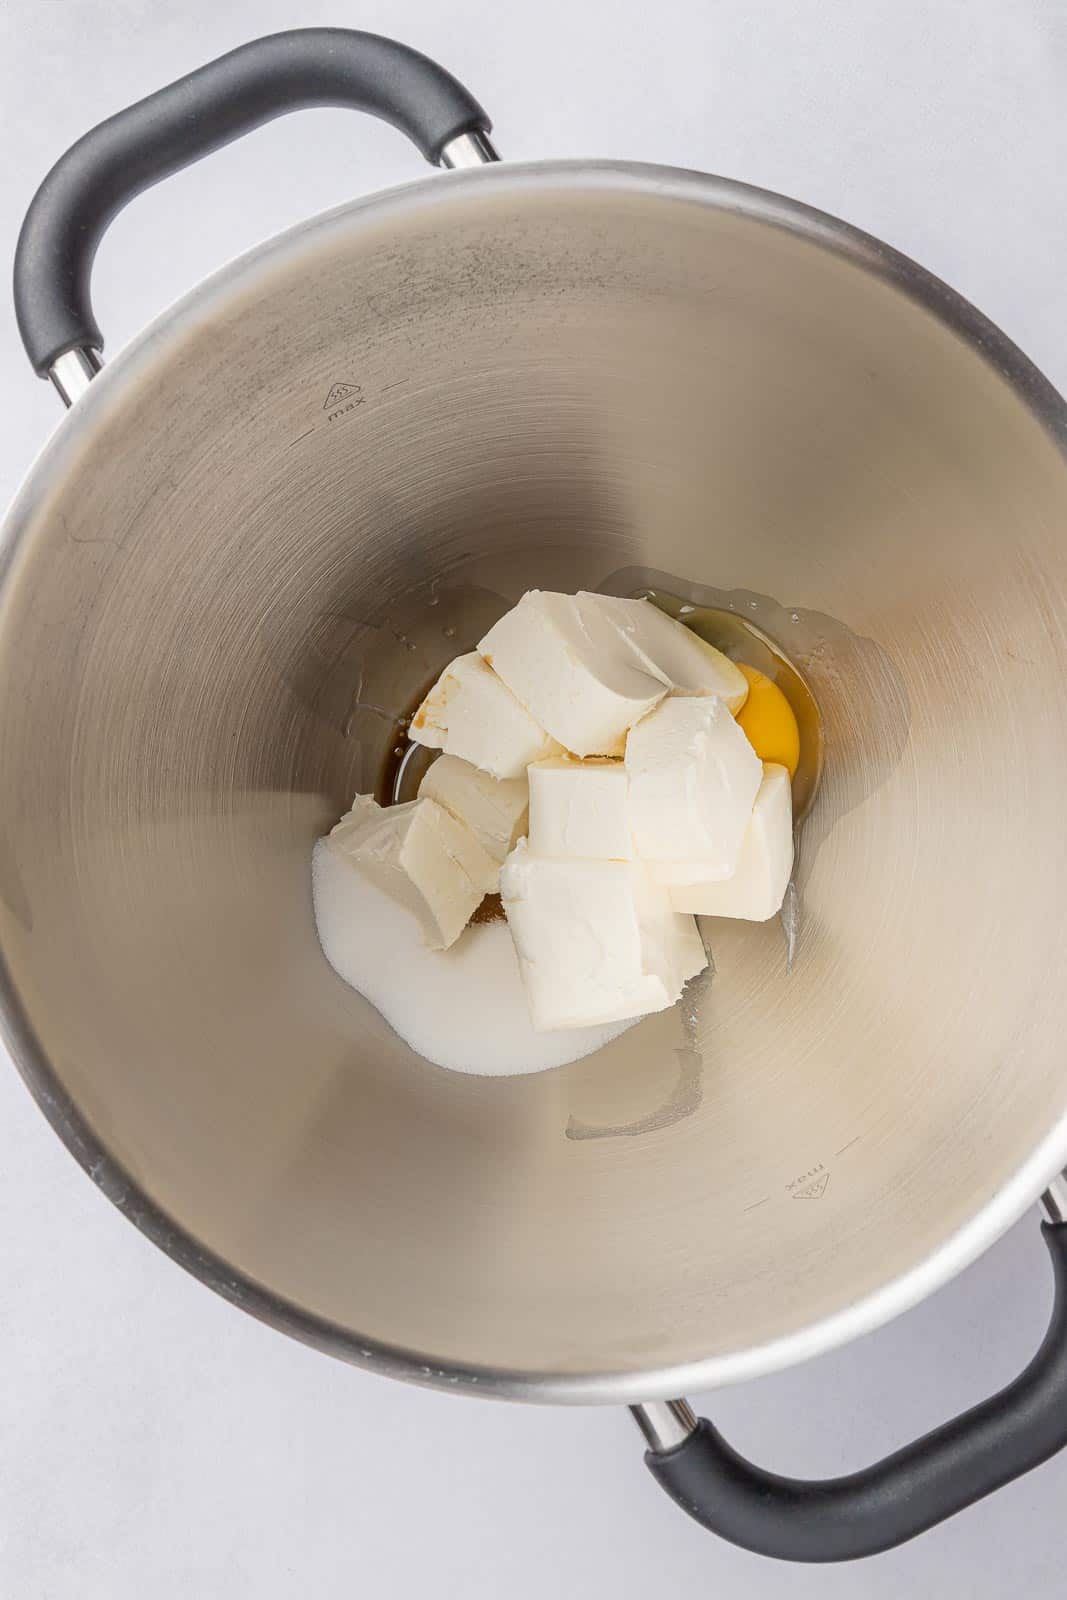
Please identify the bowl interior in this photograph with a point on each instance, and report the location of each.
(270, 525)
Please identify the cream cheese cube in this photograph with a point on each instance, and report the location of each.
(363, 810)
(757, 888)
(422, 857)
(586, 690)
(580, 809)
(693, 780)
(597, 941)
(666, 648)
(495, 809)
(472, 714)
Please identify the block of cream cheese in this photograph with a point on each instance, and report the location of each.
(597, 941)
(665, 648)
(472, 714)
(586, 690)
(757, 888)
(495, 809)
(693, 781)
(423, 858)
(579, 809)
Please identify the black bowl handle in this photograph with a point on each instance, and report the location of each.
(842, 1519)
(91, 183)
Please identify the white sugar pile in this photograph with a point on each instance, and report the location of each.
(462, 1008)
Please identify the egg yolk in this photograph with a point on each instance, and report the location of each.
(767, 720)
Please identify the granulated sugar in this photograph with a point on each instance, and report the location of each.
(462, 1008)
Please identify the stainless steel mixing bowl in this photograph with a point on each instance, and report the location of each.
(264, 527)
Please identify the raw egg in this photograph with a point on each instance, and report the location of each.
(767, 720)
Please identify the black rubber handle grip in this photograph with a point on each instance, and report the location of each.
(199, 113)
(842, 1519)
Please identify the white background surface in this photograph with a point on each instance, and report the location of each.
(157, 1444)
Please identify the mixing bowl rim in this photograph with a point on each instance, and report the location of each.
(161, 339)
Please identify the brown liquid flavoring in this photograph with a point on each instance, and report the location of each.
(490, 910)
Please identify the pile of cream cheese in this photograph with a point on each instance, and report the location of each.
(592, 772)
